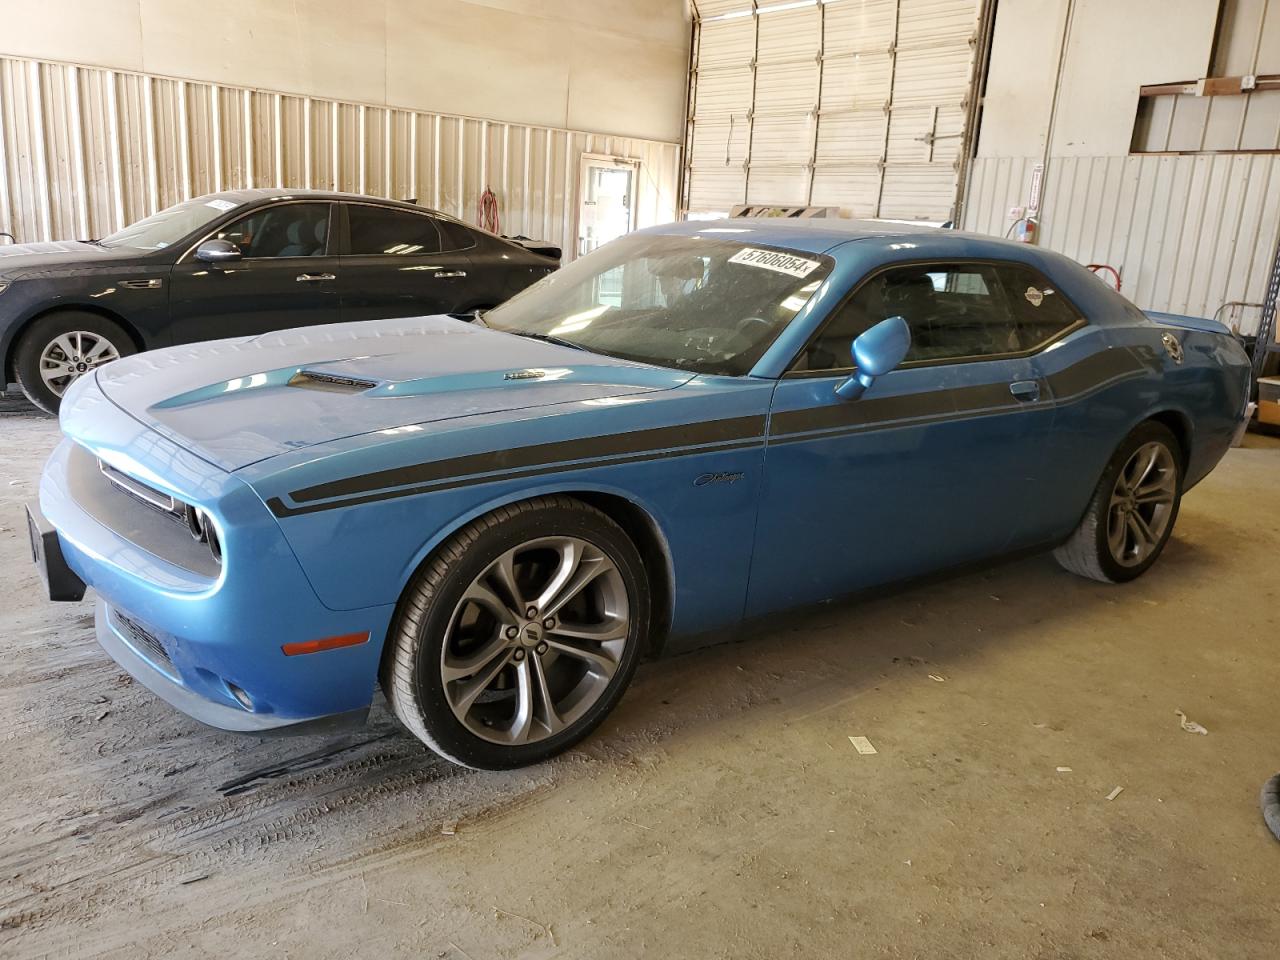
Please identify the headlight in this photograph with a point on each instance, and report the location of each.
(203, 530)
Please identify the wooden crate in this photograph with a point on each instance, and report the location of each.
(1269, 400)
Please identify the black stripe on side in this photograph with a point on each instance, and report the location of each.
(281, 509)
(609, 445)
(1092, 372)
(881, 412)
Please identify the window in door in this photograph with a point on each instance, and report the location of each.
(285, 230)
(956, 311)
(376, 231)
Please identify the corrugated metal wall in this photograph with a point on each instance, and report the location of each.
(856, 104)
(1187, 233)
(84, 151)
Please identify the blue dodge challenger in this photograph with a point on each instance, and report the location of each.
(698, 424)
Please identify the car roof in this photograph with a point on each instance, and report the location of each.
(287, 193)
(818, 234)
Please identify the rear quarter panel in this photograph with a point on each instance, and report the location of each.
(1108, 377)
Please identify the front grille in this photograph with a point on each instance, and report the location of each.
(144, 643)
(130, 510)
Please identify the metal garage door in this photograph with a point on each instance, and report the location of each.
(856, 104)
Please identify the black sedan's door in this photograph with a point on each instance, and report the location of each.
(287, 276)
(393, 265)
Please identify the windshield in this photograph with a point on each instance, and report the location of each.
(696, 303)
(170, 225)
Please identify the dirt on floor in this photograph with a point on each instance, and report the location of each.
(1032, 793)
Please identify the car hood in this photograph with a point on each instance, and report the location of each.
(18, 260)
(237, 402)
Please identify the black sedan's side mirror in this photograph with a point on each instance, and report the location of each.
(218, 251)
(875, 353)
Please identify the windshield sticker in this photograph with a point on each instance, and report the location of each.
(223, 205)
(773, 260)
(1034, 296)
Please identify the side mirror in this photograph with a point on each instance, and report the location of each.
(218, 251)
(875, 353)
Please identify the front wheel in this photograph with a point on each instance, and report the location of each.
(1131, 515)
(59, 348)
(519, 635)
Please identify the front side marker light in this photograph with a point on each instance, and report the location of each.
(328, 643)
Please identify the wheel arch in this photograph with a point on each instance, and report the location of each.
(1179, 424)
(11, 349)
(637, 519)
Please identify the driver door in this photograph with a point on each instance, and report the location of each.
(928, 469)
(287, 277)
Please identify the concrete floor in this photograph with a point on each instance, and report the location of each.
(722, 811)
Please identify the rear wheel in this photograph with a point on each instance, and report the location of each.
(1131, 515)
(59, 348)
(519, 635)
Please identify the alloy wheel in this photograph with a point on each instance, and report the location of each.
(69, 356)
(1142, 504)
(535, 640)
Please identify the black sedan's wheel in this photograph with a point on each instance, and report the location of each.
(60, 348)
(1133, 509)
(519, 635)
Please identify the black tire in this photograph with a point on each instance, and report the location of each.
(43, 332)
(411, 664)
(1087, 553)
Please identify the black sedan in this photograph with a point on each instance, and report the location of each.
(240, 263)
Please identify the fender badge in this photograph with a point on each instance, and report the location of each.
(1172, 347)
(525, 375)
(708, 478)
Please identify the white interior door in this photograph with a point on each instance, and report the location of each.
(606, 200)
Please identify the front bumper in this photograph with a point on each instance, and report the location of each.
(211, 645)
(114, 637)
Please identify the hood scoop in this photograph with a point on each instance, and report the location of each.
(329, 382)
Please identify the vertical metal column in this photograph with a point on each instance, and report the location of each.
(888, 107)
(817, 106)
(1266, 342)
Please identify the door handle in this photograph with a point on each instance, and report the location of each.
(442, 274)
(1027, 391)
(312, 277)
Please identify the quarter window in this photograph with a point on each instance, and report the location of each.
(1038, 307)
(454, 236)
(380, 232)
(285, 230)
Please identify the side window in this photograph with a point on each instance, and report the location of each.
(955, 311)
(1040, 310)
(376, 231)
(285, 230)
(454, 236)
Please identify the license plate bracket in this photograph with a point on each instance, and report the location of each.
(59, 579)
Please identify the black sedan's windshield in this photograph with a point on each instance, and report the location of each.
(698, 303)
(169, 225)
